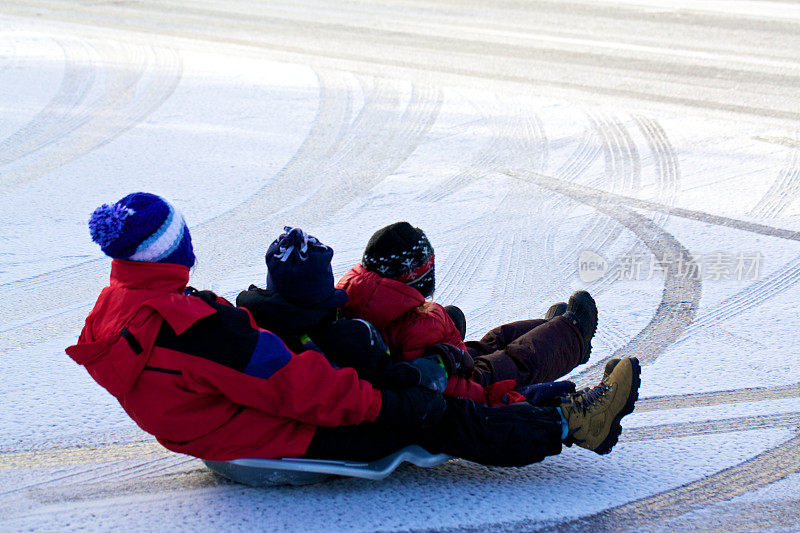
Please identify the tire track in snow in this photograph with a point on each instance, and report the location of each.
(471, 259)
(518, 256)
(657, 72)
(705, 399)
(478, 167)
(337, 170)
(81, 282)
(689, 214)
(70, 133)
(66, 135)
(711, 427)
(762, 470)
(752, 296)
(667, 178)
(779, 514)
(788, 453)
(63, 113)
(680, 297)
(781, 194)
(783, 191)
(518, 136)
(622, 171)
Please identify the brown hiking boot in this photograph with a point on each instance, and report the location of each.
(593, 415)
(610, 364)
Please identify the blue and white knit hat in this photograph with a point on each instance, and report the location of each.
(142, 227)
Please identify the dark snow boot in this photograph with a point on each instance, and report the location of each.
(593, 415)
(458, 317)
(582, 312)
(556, 310)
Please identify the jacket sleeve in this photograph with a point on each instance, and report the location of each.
(409, 335)
(306, 388)
(254, 368)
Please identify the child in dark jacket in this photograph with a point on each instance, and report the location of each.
(300, 304)
(389, 289)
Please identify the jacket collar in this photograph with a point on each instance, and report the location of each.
(150, 276)
(376, 299)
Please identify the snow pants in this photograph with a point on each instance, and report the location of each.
(528, 351)
(513, 435)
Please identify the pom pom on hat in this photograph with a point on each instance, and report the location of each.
(142, 227)
(299, 269)
(106, 223)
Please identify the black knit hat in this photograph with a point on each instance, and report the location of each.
(402, 252)
(299, 269)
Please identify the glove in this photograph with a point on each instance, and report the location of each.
(396, 376)
(547, 394)
(431, 373)
(456, 361)
(426, 372)
(414, 408)
(354, 343)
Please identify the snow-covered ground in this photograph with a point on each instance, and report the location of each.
(513, 189)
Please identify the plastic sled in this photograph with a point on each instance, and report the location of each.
(289, 471)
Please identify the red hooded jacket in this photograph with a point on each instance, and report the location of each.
(409, 324)
(202, 378)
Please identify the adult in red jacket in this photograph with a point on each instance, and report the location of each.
(389, 289)
(204, 380)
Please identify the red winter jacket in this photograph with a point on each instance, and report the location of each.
(408, 323)
(202, 378)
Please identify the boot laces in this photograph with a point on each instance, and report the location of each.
(589, 397)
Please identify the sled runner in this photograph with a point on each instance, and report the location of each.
(274, 472)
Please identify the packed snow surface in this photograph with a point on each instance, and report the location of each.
(505, 185)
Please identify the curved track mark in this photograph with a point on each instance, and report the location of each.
(126, 103)
(61, 114)
(680, 298)
(783, 191)
(763, 469)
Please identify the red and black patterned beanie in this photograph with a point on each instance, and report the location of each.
(402, 252)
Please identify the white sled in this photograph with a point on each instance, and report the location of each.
(289, 471)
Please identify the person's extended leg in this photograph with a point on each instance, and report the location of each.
(501, 336)
(544, 352)
(514, 435)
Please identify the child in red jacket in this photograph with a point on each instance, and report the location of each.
(389, 289)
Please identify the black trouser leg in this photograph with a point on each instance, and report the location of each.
(514, 435)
